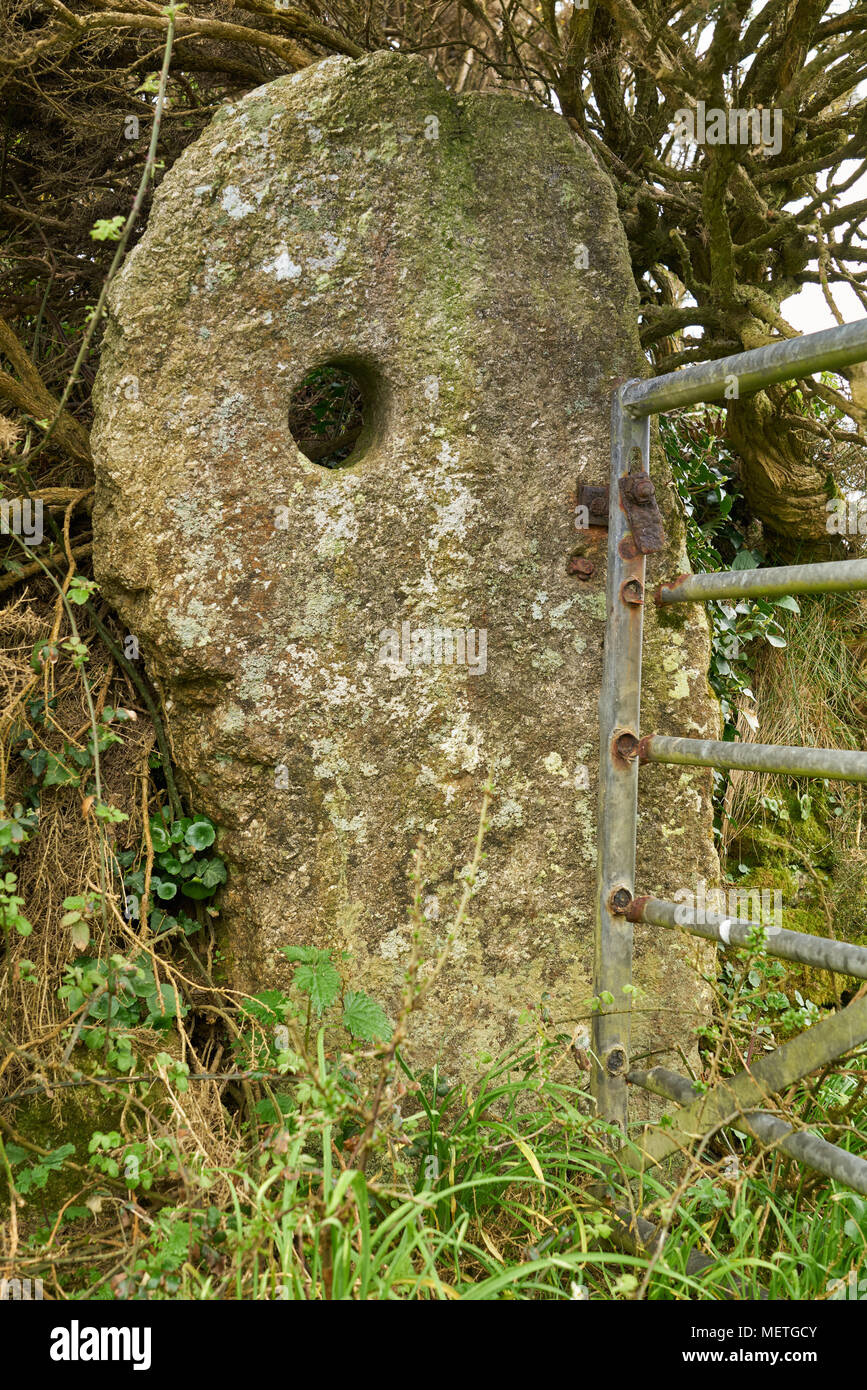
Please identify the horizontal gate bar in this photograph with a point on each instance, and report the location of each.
(817, 951)
(803, 1145)
(782, 361)
(833, 577)
(771, 1073)
(836, 763)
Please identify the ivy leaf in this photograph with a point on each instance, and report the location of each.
(58, 775)
(321, 981)
(363, 1017)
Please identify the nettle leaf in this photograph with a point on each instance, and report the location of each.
(201, 834)
(745, 560)
(266, 1007)
(307, 955)
(321, 981)
(266, 1112)
(363, 1017)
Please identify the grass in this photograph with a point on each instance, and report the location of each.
(505, 1190)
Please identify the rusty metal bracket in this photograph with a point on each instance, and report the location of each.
(595, 499)
(638, 496)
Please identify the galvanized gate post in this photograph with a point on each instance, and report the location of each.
(619, 709)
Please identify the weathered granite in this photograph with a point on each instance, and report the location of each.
(464, 256)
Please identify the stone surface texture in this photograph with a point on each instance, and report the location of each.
(463, 255)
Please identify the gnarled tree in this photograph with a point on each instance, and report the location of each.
(721, 234)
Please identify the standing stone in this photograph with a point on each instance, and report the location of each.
(463, 257)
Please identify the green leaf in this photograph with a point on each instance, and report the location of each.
(774, 640)
(267, 1006)
(106, 229)
(321, 981)
(306, 954)
(56, 1157)
(159, 836)
(163, 1004)
(80, 934)
(58, 775)
(213, 873)
(745, 560)
(197, 889)
(201, 834)
(266, 1112)
(787, 601)
(363, 1017)
(166, 889)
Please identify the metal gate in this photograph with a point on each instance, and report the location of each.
(634, 531)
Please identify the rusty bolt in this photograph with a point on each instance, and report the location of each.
(643, 490)
(583, 568)
(598, 506)
(632, 592)
(619, 901)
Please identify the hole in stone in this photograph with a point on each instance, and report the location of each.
(328, 415)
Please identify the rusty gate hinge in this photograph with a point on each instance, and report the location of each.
(638, 496)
